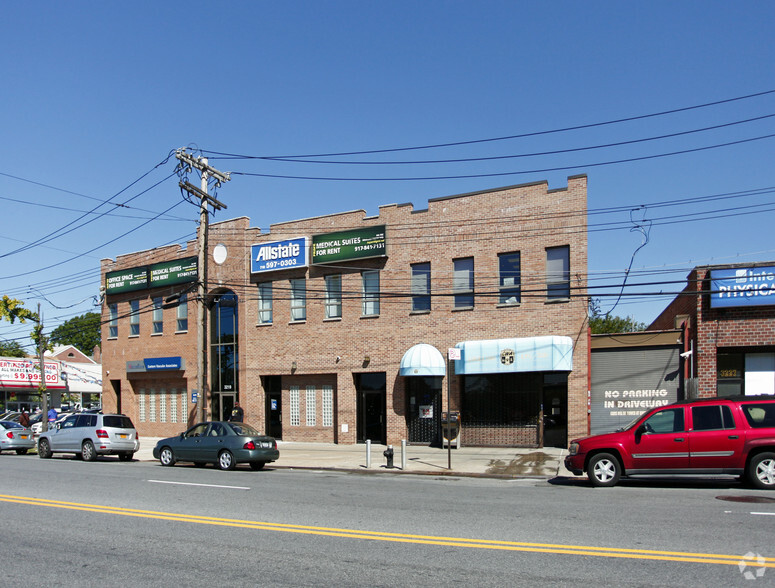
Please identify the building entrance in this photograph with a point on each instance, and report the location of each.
(423, 409)
(371, 392)
(274, 406)
(222, 405)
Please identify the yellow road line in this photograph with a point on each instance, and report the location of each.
(645, 554)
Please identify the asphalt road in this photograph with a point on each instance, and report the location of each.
(110, 523)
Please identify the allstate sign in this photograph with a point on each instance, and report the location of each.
(751, 286)
(279, 255)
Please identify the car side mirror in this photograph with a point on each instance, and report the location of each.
(639, 433)
(183, 434)
(58, 425)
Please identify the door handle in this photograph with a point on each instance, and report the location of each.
(678, 439)
(734, 436)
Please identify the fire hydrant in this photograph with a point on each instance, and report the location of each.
(388, 453)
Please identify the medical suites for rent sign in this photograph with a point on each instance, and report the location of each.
(24, 373)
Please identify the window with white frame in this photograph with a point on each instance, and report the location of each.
(311, 405)
(509, 278)
(134, 318)
(328, 405)
(112, 321)
(370, 292)
(299, 299)
(334, 296)
(182, 314)
(295, 407)
(558, 273)
(464, 282)
(158, 315)
(141, 404)
(265, 303)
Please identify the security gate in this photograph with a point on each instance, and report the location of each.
(423, 415)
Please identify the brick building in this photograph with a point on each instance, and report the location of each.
(727, 313)
(337, 328)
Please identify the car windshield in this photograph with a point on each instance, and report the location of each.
(243, 429)
(631, 424)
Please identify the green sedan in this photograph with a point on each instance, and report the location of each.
(220, 442)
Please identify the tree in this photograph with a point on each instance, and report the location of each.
(12, 349)
(605, 323)
(82, 332)
(12, 309)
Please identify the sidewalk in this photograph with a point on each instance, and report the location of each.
(505, 462)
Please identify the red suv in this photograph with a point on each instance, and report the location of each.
(728, 435)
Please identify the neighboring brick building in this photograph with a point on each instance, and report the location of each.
(727, 313)
(336, 328)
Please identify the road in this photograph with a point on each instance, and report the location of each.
(110, 523)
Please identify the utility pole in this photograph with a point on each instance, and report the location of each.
(41, 342)
(187, 163)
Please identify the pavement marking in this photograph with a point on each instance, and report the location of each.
(765, 514)
(644, 554)
(195, 484)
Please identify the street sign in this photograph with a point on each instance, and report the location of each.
(453, 353)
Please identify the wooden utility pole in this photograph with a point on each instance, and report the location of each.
(41, 342)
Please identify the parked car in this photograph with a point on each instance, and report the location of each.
(727, 435)
(220, 442)
(89, 435)
(15, 437)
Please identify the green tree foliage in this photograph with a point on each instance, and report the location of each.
(82, 332)
(12, 349)
(602, 323)
(12, 309)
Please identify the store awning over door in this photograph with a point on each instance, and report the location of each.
(422, 360)
(529, 354)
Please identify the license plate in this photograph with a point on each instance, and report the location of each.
(24, 436)
(122, 435)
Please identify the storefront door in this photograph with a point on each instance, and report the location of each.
(222, 406)
(555, 403)
(423, 414)
(371, 390)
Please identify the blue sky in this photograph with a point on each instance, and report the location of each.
(96, 95)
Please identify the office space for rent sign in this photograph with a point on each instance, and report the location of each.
(165, 273)
(348, 245)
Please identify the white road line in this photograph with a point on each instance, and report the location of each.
(765, 514)
(193, 484)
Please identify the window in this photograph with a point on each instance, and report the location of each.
(112, 321)
(311, 407)
(295, 409)
(174, 405)
(463, 282)
(558, 273)
(710, 418)
(334, 296)
(370, 293)
(328, 406)
(134, 318)
(158, 316)
(162, 406)
(760, 415)
(182, 314)
(265, 303)
(509, 278)
(666, 421)
(152, 406)
(299, 299)
(141, 405)
(421, 287)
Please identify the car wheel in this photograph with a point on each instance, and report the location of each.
(604, 470)
(257, 465)
(88, 453)
(125, 456)
(44, 449)
(226, 460)
(166, 457)
(21, 451)
(761, 471)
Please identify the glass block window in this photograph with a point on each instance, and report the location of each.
(174, 405)
(141, 404)
(299, 299)
(328, 406)
(509, 278)
(265, 303)
(558, 272)
(334, 296)
(152, 405)
(370, 293)
(311, 406)
(162, 406)
(184, 406)
(182, 315)
(421, 286)
(134, 318)
(112, 321)
(158, 316)
(463, 282)
(295, 407)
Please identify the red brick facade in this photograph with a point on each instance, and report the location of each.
(332, 354)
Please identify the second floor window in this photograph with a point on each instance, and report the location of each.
(370, 293)
(558, 273)
(158, 316)
(182, 314)
(334, 296)
(112, 321)
(134, 318)
(421, 286)
(299, 299)
(509, 278)
(265, 303)
(463, 282)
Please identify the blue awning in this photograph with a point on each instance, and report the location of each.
(422, 360)
(529, 354)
